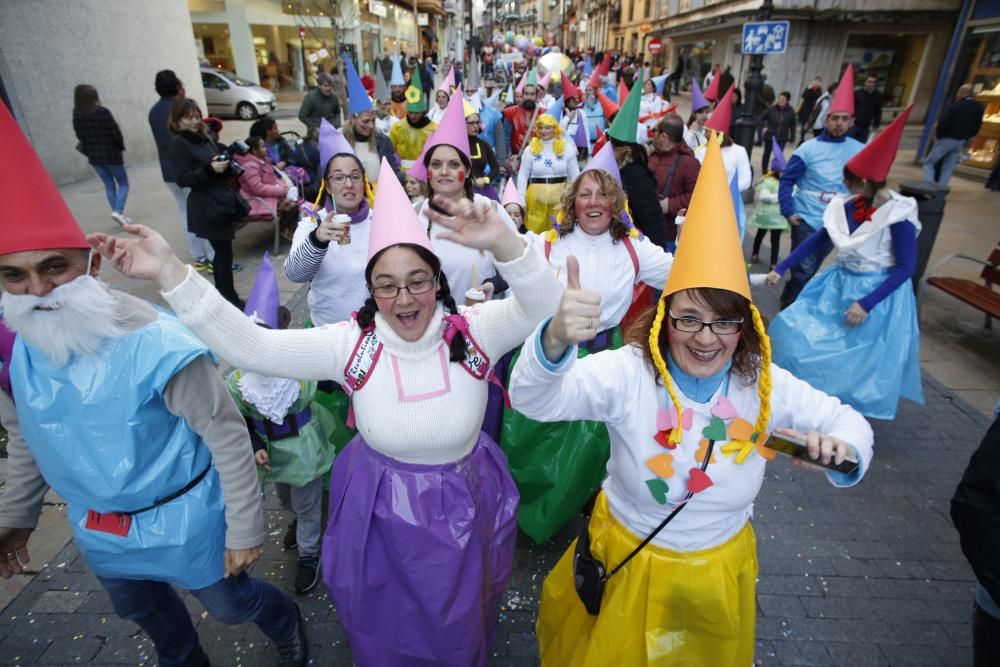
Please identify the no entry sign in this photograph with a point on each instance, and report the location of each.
(655, 45)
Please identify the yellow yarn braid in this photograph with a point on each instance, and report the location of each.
(661, 366)
(319, 197)
(744, 447)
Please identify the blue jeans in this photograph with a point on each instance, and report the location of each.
(946, 152)
(157, 608)
(115, 184)
(801, 273)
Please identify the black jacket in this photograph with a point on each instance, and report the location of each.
(191, 157)
(809, 97)
(961, 120)
(159, 116)
(99, 136)
(640, 188)
(867, 108)
(779, 122)
(975, 509)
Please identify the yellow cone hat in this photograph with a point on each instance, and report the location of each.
(709, 253)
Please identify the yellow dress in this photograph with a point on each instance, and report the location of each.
(409, 141)
(693, 608)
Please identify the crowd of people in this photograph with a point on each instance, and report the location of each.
(528, 299)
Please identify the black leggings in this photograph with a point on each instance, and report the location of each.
(222, 270)
(775, 241)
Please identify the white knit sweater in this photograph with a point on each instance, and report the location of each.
(416, 406)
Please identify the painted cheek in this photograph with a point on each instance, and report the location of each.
(461, 175)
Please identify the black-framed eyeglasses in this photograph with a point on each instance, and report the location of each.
(414, 287)
(689, 324)
(340, 179)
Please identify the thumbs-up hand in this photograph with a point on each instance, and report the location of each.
(578, 316)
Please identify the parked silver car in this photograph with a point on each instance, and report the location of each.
(228, 95)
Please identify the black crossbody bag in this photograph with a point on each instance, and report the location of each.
(590, 575)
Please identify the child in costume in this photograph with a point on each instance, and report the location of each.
(853, 330)
(767, 214)
(689, 403)
(547, 165)
(289, 432)
(416, 190)
(558, 467)
(420, 540)
(514, 205)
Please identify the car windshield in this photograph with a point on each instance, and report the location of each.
(232, 78)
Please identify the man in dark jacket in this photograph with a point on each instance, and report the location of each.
(959, 123)
(675, 169)
(170, 88)
(867, 109)
(809, 97)
(678, 73)
(320, 103)
(975, 510)
(726, 80)
(779, 123)
(765, 98)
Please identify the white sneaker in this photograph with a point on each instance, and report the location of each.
(119, 218)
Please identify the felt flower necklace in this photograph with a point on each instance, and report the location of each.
(863, 212)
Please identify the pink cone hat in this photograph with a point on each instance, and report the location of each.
(448, 82)
(544, 81)
(451, 130)
(605, 160)
(511, 195)
(524, 80)
(394, 221)
(331, 142)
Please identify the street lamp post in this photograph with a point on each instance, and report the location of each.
(745, 128)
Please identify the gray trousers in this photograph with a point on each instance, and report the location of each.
(307, 503)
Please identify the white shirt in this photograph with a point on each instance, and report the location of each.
(618, 387)
(694, 138)
(547, 164)
(369, 159)
(607, 268)
(436, 113)
(736, 161)
(384, 125)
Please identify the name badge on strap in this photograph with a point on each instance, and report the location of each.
(113, 523)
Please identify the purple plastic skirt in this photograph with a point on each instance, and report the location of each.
(416, 557)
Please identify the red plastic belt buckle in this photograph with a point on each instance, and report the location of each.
(113, 523)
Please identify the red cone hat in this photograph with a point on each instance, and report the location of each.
(873, 161)
(712, 92)
(34, 215)
(843, 99)
(722, 117)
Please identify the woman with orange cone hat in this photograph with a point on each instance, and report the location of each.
(853, 330)
(689, 403)
(421, 536)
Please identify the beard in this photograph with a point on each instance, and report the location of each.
(529, 105)
(74, 319)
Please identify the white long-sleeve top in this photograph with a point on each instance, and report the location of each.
(416, 407)
(457, 261)
(435, 113)
(606, 267)
(548, 165)
(736, 161)
(619, 387)
(337, 273)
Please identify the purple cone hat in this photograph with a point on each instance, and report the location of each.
(262, 304)
(698, 100)
(581, 139)
(605, 160)
(778, 162)
(451, 130)
(331, 142)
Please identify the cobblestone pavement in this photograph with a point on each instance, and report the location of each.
(871, 575)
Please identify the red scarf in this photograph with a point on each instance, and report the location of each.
(861, 211)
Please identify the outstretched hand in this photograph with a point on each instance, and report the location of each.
(578, 316)
(476, 225)
(146, 255)
(13, 551)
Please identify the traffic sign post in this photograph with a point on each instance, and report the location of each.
(765, 37)
(655, 45)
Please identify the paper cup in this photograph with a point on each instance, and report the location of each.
(344, 219)
(474, 296)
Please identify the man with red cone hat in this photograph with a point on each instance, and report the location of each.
(121, 410)
(853, 331)
(813, 176)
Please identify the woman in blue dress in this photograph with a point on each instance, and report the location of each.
(853, 331)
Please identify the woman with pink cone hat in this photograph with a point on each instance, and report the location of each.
(421, 536)
(446, 167)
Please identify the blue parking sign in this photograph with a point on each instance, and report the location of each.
(765, 37)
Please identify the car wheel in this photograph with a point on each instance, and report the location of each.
(246, 111)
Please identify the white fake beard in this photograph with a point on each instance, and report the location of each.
(73, 319)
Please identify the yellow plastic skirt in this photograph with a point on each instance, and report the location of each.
(664, 608)
(541, 202)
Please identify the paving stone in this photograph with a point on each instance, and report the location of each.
(802, 653)
(136, 650)
(60, 602)
(22, 650)
(780, 605)
(78, 650)
(856, 654)
(910, 654)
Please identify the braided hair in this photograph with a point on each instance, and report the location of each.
(366, 315)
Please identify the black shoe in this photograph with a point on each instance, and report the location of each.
(306, 576)
(295, 652)
(290, 541)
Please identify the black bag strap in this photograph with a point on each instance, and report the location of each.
(665, 192)
(663, 524)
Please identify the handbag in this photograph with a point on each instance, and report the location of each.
(225, 205)
(589, 574)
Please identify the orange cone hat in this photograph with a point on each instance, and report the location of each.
(709, 253)
(873, 161)
(843, 99)
(721, 119)
(607, 106)
(34, 215)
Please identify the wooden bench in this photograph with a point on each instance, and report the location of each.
(271, 218)
(982, 297)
